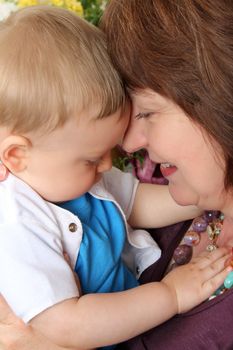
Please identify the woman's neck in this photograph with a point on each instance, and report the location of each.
(226, 236)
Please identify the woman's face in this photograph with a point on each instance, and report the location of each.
(192, 165)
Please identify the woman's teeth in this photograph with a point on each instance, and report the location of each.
(167, 165)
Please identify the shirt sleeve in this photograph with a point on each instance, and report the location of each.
(123, 187)
(33, 272)
(140, 250)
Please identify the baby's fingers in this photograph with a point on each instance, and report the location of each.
(213, 269)
(208, 258)
(214, 282)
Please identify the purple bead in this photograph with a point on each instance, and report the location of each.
(183, 254)
(192, 238)
(211, 215)
(199, 224)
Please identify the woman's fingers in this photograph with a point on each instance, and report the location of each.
(7, 316)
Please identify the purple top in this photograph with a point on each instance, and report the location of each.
(208, 326)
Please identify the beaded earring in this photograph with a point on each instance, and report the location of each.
(3, 171)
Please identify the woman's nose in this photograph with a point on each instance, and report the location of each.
(135, 136)
(106, 163)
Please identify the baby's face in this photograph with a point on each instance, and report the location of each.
(69, 161)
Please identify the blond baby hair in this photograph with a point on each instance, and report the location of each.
(53, 65)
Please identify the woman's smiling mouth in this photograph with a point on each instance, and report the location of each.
(167, 169)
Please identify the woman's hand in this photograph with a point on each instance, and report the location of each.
(193, 283)
(16, 335)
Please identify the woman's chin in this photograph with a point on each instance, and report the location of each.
(181, 197)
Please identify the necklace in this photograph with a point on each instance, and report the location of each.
(210, 222)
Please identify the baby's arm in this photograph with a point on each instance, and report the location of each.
(96, 320)
(154, 207)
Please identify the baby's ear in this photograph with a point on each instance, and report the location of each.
(14, 153)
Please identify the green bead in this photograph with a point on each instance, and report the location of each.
(228, 283)
(219, 290)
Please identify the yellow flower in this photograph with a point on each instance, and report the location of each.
(24, 3)
(59, 3)
(72, 5)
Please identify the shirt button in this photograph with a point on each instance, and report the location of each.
(72, 227)
(137, 270)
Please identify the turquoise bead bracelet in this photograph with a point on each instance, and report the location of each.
(228, 283)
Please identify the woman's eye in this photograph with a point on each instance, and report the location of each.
(143, 115)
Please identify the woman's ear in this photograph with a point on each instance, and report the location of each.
(14, 153)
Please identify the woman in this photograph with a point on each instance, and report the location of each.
(176, 59)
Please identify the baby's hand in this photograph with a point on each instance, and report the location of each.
(193, 283)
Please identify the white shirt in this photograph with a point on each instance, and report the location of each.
(34, 234)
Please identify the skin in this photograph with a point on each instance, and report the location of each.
(169, 136)
(82, 148)
(52, 163)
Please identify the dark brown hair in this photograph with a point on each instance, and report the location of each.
(182, 49)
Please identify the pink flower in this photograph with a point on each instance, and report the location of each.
(140, 165)
(146, 171)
